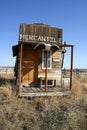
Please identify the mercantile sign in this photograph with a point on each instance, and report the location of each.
(40, 33)
(27, 37)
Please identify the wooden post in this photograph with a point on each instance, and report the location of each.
(20, 65)
(46, 71)
(71, 70)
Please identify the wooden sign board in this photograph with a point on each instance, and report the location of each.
(40, 33)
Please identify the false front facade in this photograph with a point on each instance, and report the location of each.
(39, 57)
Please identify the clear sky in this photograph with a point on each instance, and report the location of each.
(70, 15)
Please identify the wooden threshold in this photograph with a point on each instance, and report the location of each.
(44, 94)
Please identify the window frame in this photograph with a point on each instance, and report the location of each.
(48, 59)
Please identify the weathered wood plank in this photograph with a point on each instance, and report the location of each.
(44, 94)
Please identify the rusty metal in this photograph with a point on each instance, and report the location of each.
(71, 70)
(46, 71)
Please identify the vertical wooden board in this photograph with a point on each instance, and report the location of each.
(40, 61)
(30, 70)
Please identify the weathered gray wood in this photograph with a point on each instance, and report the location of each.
(46, 32)
(43, 94)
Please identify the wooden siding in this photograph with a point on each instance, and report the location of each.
(32, 65)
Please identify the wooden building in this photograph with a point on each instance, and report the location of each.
(39, 57)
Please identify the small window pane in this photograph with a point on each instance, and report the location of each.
(44, 54)
(48, 63)
(49, 54)
(44, 59)
(45, 63)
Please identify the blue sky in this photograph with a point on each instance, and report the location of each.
(70, 15)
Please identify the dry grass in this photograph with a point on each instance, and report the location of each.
(54, 113)
(79, 89)
(76, 88)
